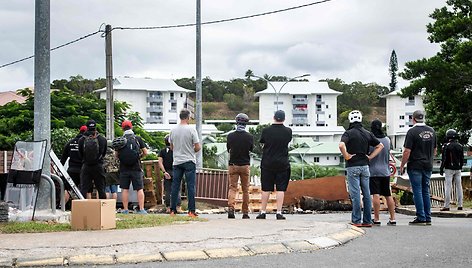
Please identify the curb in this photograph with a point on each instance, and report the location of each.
(439, 214)
(309, 245)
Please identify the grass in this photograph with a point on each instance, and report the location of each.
(467, 203)
(122, 222)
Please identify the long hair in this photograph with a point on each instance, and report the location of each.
(376, 128)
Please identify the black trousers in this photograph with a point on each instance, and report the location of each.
(167, 193)
(90, 175)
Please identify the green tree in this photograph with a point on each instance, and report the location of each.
(446, 78)
(79, 84)
(256, 132)
(393, 69)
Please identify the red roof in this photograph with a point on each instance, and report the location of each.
(9, 96)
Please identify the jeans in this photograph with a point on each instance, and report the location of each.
(456, 175)
(419, 180)
(358, 180)
(189, 169)
(236, 172)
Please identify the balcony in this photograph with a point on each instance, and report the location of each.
(154, 119)
(320, 123)
(299, 112)
(172, 100)
(320, 112)
(154, 98)
(299, 101)
(299, 121)
(154, 109)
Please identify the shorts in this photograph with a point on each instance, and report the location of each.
(111, 188)
(135, 177)
(75, 176)
(380, 186)
(280, 179)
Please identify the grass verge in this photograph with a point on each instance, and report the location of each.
(122, 222)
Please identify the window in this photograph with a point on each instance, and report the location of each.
(172, 95)
(411, 101)
(402, 117)
(329, 116)
(316, 159)
(318, 107)
(280, 103)
(318, 98)
(327, 158)
(181, 95)
(401, 126)
(335, 158)
(326, 106)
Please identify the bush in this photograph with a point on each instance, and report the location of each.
(311, 171)
(208, 108)
(234, 102)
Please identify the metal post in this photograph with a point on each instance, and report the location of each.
(198, 82)
(110, 107)
(42, 85)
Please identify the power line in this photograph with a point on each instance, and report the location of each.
(170, 26)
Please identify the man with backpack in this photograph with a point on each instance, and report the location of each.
(92, 150)
(130, 153)
(451, 164)
(71, 152)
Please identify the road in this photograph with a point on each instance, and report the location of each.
(447, 243)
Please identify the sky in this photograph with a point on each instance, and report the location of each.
(347, 39)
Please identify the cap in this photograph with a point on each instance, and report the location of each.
(279, 116)
(83, 129)
(91, 125)
(418, 115)
(127, 124)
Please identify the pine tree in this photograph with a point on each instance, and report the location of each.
(393, 71)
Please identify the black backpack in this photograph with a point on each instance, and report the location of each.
(129, 155)
(91, 153)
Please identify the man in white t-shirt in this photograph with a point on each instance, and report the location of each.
(185, 144)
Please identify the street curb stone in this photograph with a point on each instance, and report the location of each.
(344, 237)
(186, 255)
(272, 248)
(301, 246)
(219, 253)
(324, 242)
(91, 259)
(42, 262)
(139, 258)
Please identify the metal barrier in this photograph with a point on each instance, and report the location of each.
(212, 186)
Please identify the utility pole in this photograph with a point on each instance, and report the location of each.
(110, 106)
(42, 90)
(198, 83)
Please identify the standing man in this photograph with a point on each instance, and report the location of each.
(418, 152)
(354, 147)
(239, 143)
(184, 143)
(451, 163)
(71, 151)
(130, 166)
(92, 150)
(166, 159)
(275, 167)
(380, 175)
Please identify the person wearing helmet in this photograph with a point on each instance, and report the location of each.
(354, 147)
(166, 158)
(275, 165)
(418, 151)
(451, 165)
(239, 143)
(130, 166)
(71, 152)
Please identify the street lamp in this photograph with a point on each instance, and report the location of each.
(277, 92)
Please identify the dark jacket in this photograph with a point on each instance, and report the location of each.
(71, 151)
(102, 147)
(452, 156)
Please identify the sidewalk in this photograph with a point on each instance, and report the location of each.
(216, 238)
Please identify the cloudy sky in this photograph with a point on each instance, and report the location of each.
(347, 39)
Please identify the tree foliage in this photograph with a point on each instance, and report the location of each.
(393, 69)
(311, 171)
(79, 84)
(446, 78)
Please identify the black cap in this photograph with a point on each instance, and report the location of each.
(418, 115)
(279, 116)
(91, 125)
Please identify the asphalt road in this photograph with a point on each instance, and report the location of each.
(447, 243)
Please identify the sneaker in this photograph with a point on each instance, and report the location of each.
(231, 214)
(428, 222)
(246, 216)
(444, 209)
(192, 214)
(368, 225)
(392, 223)
(459, 208)
(125, 211)
(356, 224)
(261, 216)
(418, 222)
(142, 211)
(376, 223)
(279, 216)
(173, 213)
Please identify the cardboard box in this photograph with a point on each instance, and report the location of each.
(93, 214)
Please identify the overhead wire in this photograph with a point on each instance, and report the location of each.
(168, 27)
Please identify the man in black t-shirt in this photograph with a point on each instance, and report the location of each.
(132, 173)
(275, 166)
(355, 146)
(239, 143)
(166, 159)
(419, 150)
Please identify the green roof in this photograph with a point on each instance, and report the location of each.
(319, 148)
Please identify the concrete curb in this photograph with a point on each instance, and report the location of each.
(325, 242)
(440, 214)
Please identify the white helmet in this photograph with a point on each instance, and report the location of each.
(355, 116)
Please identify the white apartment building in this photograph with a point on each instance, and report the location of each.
(310, 108)
(400, 116)
(158, 101)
